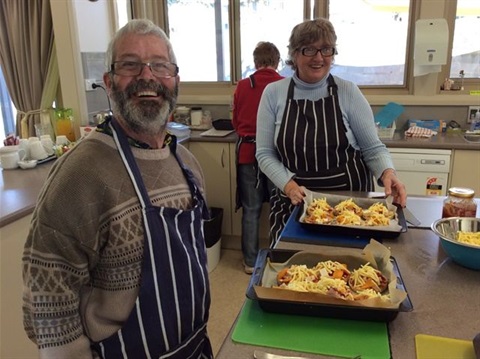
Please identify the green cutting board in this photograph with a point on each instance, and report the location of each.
(336, 337)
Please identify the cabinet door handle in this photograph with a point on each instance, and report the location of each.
(222, 158)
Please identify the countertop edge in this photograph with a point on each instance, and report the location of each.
(14, 216)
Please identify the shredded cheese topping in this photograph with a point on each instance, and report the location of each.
(468, 237)
(348, 212)
(334, 279)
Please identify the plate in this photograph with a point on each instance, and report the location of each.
(49, 158)
(315, 308)
(355, 231)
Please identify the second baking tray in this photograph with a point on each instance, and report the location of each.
(320, 309)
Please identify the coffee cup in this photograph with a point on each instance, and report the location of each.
(37, 151)
(9, 160)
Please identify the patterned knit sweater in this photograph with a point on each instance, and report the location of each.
(82, 258)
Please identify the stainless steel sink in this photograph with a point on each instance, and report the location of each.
(472, 138)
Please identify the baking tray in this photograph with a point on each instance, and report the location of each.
(355, 231)
(320, 309)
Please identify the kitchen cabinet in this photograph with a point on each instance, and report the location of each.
(14, 343)
(215, 158)
(466, 170)
(218, 163)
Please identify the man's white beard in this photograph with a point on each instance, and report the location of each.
(141, 119)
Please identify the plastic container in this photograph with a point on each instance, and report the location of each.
(460, 202)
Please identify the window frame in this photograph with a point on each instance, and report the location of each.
(219, 92)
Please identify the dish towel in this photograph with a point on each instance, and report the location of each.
(416, 131)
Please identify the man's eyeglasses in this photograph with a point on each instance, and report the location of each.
(313, 51)
(132, 68)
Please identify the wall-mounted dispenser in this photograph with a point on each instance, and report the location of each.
(431, 45)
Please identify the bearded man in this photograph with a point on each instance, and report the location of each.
(114, 265)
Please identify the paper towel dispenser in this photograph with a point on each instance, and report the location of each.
(431, 42)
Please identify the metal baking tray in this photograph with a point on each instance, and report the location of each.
(320, 309)
(356, 231)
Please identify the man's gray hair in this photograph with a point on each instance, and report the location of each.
(138, 27)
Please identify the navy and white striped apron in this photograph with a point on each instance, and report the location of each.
(312, 143)
(170, 315)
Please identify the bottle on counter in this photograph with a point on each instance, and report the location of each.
(460, 202)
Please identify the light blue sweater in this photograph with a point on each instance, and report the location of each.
(357, 116)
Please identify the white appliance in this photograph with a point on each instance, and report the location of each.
(423, 171)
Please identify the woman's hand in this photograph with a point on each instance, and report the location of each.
(295, 192)
(394, 187)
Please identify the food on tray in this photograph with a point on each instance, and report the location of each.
(347, 212)
(469, 237)
(367, 277)
(334, 279)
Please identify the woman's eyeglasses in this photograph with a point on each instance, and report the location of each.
(313, 51)
(133, 68)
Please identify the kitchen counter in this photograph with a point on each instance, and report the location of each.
(20, 188)
(445, 296)
(448, 140)
(19, 191)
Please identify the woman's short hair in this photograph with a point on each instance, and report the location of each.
(307, 33)
(138, 27)
(266, 54)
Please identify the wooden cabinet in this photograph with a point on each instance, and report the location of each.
(215, 158)
(218, 163)
(466, 170)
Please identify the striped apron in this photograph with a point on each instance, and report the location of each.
(170, 315)
(312, 143)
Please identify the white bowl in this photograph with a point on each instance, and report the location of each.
(26, 164)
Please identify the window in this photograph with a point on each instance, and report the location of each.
(206, 27)
(371, 41)
(7, 110)
(259, 21)
(202, 26)
(466, 44)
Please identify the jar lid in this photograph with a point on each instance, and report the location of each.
(461, 192)
(196, 108)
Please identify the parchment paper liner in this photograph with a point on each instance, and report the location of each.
(377, 254)
(364, 203)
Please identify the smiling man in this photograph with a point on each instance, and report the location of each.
(115, 261)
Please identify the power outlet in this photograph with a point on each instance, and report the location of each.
(88, 84)
(472, 112)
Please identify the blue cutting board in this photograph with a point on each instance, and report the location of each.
(294, 232)
(388, 114)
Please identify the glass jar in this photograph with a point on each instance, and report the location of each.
(459, 203)
(64, 123)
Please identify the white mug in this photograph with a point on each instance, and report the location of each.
(62, 140)
(37, 151)
(10, 160)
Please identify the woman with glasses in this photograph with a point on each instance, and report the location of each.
(317, 131)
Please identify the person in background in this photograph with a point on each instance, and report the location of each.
(114, 265)
(316, 131)
(253, 187)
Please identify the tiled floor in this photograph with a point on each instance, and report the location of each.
(228, 284)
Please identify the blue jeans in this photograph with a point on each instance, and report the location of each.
(251, 199)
